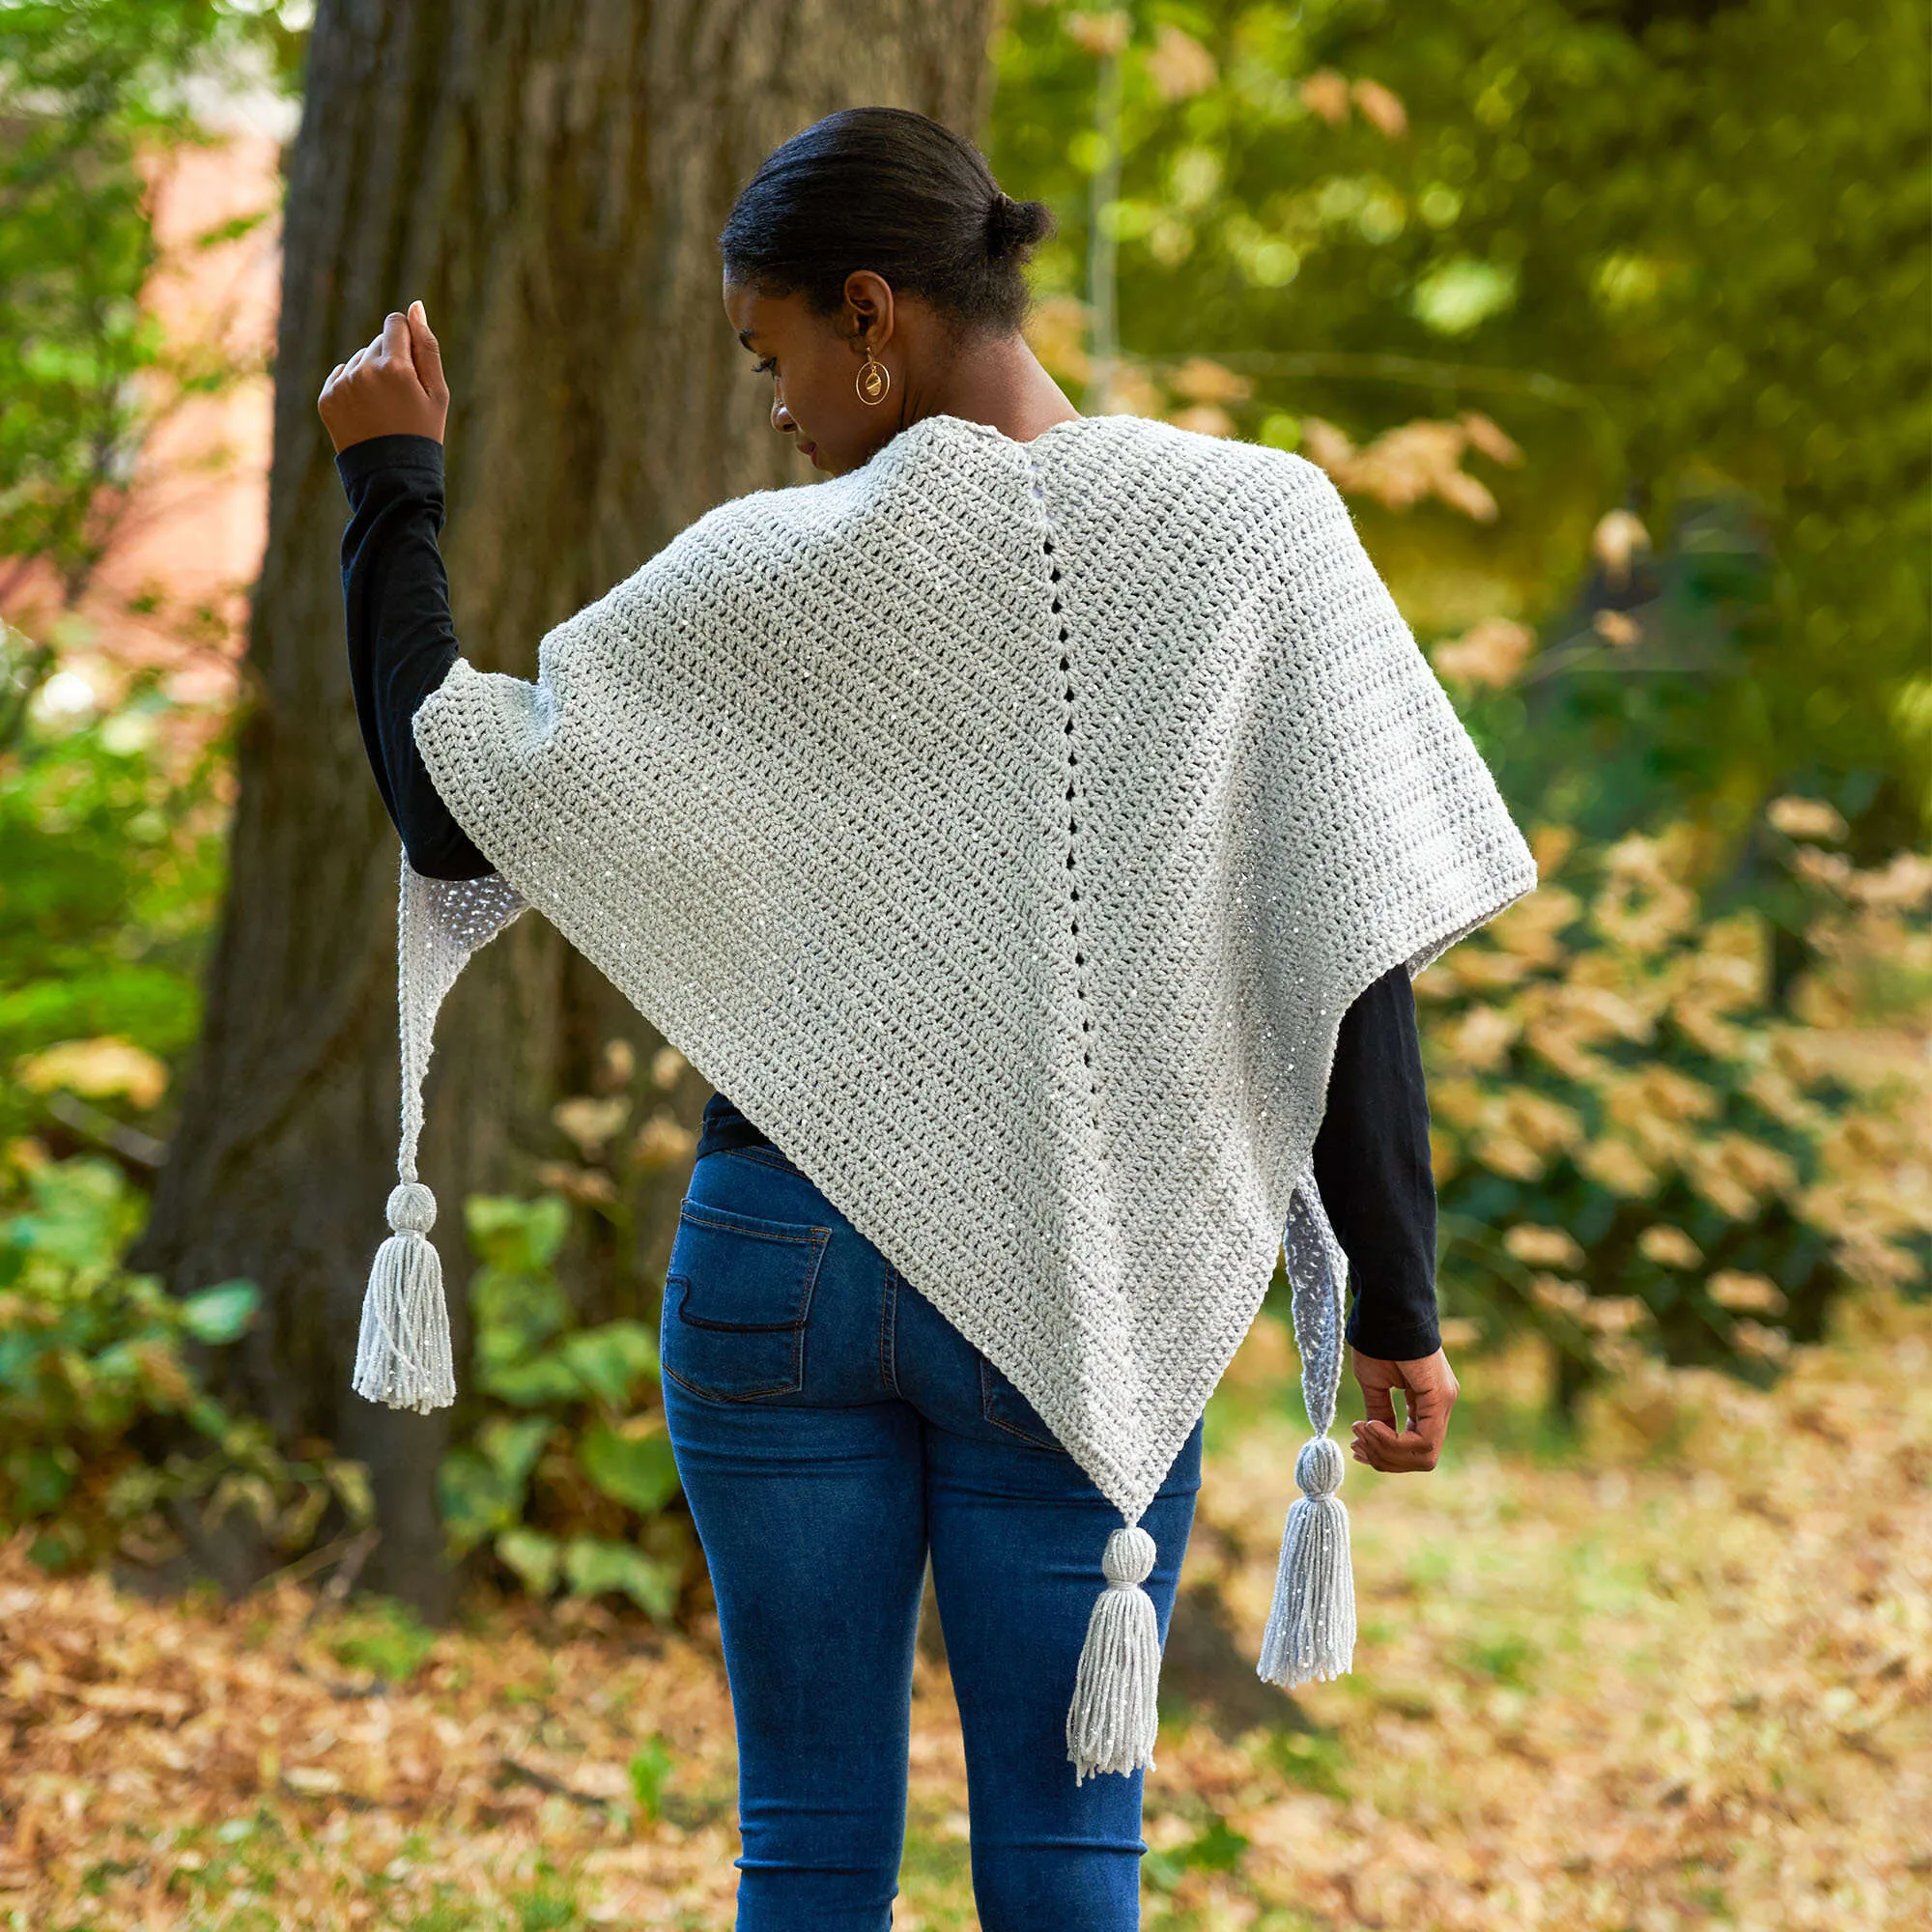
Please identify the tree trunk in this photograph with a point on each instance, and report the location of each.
(550, 178)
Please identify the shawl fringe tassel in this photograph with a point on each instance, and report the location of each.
(1113, 1718)
(403, 1355)
(1311, 1627)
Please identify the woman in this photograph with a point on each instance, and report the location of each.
(798, 788)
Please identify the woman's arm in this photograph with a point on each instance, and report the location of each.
(1373, 1169)
(395, 595)
(384, 409)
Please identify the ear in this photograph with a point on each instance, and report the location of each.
(868, 297)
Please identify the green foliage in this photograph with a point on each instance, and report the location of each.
(1504, 1656)
(75, 250)
(109, 827)
(1216, 1847)
(105, 1426)
(567, 1477)
(546, 1907)
(86, 86)
(593, 1566)
(647, 1770)
(1313, 1760)
(1674, 261)
(1679, 255)
(110, 869)
(381, 1636)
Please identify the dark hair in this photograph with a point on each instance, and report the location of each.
(888, 189)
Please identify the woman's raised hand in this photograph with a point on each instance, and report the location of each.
(392, 385)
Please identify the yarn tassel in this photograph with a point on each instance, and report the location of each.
(1114, 1717)
(1311, 1628)
(403, 1356)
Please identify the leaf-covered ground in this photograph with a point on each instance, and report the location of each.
(1678, 1678)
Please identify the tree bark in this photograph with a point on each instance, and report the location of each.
(550, 176)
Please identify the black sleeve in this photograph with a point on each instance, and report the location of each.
(1373, 1169)
(401, 640)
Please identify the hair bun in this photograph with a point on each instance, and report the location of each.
(1014, 224)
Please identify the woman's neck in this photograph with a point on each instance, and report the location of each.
(1000, 382)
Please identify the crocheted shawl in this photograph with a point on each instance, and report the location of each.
(1006, 827)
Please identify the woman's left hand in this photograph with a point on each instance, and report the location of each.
(1430, 1389)
(392, 385)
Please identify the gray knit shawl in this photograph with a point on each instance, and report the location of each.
(1006, 827)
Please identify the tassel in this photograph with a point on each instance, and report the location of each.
(1113, 1719)
(403, 1357)
(403, 1354)
(1311, 1628)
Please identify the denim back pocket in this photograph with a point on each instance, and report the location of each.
(1006, 1407)
(737, 1295)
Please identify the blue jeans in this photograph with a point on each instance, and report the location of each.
(831, 1427)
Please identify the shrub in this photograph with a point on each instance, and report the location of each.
(108, 1440)
(1640, 1146)
(568, 1474)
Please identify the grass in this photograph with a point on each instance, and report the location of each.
(1676, 1675)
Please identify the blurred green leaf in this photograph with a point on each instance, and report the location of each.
(535, 1559)
(637, 1468)
(222, 1312)
(613, 1361)
(1219, 1848)
(548, 1382)
(513, 1446)
(647, 1770)
(518, 1237)
(594, 1567)
(35, 1480)
(475, 1499)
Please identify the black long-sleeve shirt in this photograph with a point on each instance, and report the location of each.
(1371, 1153)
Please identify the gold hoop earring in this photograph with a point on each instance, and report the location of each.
(873, 380)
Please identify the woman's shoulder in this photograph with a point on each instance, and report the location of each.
(1265, 466)
(933, 475)
(1165, 457)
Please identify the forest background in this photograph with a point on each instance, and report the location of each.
(1609, 318)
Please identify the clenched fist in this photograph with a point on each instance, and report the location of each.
(392, 385)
